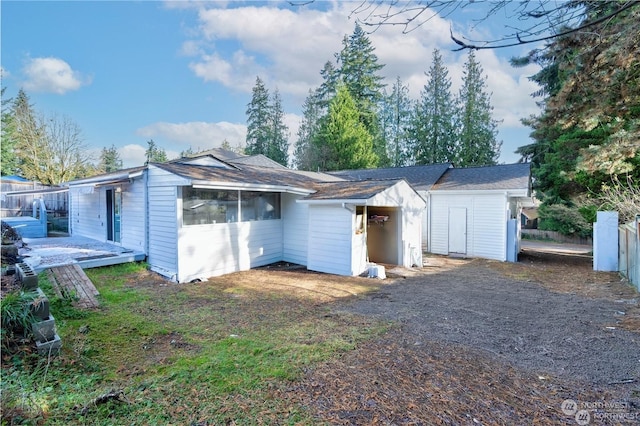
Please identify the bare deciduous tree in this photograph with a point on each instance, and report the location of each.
(52, 150)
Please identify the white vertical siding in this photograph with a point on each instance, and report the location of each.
(163, 232)
(412, 236)
(486, 223)
(133, 215)
(295, 218)
(89, 214)
(330, 239)
(216, 249)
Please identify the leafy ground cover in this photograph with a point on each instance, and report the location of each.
(201, 353)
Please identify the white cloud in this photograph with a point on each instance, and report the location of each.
(198, 135)
(132, 155)
(287, 48)
(52, 75)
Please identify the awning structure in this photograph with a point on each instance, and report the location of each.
(34, 192)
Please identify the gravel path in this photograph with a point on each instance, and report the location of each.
(522, 323)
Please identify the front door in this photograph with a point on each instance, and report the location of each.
(114, 205)
(458, 230)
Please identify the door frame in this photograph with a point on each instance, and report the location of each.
(457, 233)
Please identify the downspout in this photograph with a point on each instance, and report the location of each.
(145, 180)
(428, 224)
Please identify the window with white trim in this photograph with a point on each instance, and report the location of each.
(209, 206)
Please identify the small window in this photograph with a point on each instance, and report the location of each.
(260, 205)
(206, 206)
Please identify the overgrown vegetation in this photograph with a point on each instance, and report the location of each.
(161, 353)
(586, 153)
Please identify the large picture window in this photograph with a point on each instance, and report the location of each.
(209, 206)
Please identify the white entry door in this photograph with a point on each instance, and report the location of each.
(458, 230)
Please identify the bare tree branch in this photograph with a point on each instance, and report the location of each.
(542, 20)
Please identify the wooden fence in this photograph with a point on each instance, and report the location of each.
(22, 205)
(629, 251)
(537, 234)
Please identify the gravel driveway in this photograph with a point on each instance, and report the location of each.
(520, 322)
(482, 342)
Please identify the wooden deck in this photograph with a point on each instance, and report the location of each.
(70, 281)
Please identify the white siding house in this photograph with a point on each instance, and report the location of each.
(214, 214)
(353, 223)
(470, 209)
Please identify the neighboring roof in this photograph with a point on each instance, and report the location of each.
(258, 160)
(420, 177)
(501, 177)
(350, 190)
(221, 153)
(15, 178)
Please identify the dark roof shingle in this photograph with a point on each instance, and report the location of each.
(420, 177)
(501, 177)
(349, 190)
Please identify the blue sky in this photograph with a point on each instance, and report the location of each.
(181, 73)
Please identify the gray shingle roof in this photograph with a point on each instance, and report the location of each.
(501, 177)
(349, 190)
(420, 177)
(248, 174)
(257, 160)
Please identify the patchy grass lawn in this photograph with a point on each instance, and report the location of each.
(201, 353)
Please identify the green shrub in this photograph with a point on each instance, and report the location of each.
(563, 219)
(16, 316)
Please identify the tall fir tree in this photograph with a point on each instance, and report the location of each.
(359, 71)
(344, 137)
(110, 160)
(154, 153)
(278, 143)
(478, 129)
(395, 121)
(28, 134)
(258, 123)
(8, 160)
(434, 126)
(305, 155)
(267, 134)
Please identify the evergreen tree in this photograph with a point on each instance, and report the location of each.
(306, 157)
(258, 120)
(395, 124)
(586, 139)
(154, 153)
(478, 130)
(28, 135)
(344, 137)
(8, 160)
(434, 122)
(327, 89)
(359, 72)
(278, 143)
(110, 160)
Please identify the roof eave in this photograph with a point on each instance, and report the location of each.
(250, 187)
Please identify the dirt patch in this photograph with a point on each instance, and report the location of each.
(482, 342)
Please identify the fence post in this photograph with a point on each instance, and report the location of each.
(605, 242)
